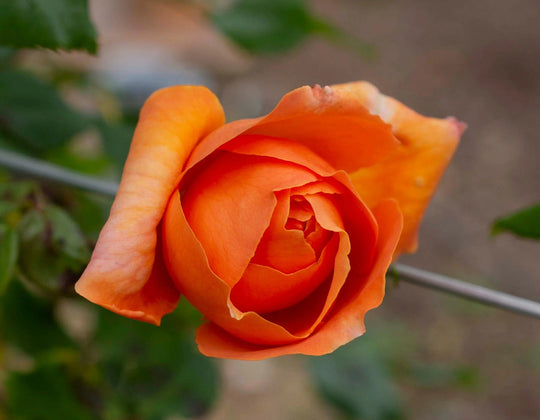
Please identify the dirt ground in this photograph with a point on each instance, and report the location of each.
(477, 60)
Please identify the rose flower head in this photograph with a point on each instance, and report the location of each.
(278, 229)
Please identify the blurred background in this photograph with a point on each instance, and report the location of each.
(425, 355)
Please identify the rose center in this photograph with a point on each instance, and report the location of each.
(291, 260)
(301, 218)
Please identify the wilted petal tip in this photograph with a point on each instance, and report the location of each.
(459, 126)
(322, 94)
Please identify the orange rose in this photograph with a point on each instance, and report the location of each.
(279, 229)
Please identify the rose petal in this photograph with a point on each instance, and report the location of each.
(157, 297)
(333, 124)
(264, 289)
(358, 220)
(283, 149)
(411, 173)
(343, 324)
(299, 209)
(119, 275)
(230, 204)
(303, 318)
(281, 248)
(317, 237)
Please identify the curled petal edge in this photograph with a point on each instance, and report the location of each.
(123, 274)
(411, 173)
(334, 125)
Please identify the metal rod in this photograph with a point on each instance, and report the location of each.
(43, 170)
(467, 290)
(46, 171)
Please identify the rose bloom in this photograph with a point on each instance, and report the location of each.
(278, 229)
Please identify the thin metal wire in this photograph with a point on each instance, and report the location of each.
(46, 171)
(467, 290)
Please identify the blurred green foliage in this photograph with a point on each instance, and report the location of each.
(361, 379)
(356, 380)
(156, 372)
(29, 324)
(34, 114)
(121, 369)
(9, 251)
(116, 140)
(41, 243)
(524, 223)
(53, 24)
(42, 394)
(273, 26)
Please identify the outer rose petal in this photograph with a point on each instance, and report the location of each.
(120, 275)
(346, 320)
(333, 124)
(411, 173)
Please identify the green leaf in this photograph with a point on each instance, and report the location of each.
(9, 250)
(31, 226)
(356, 380)
(33, 112)
(43, 394)
(15, 199)
(271, 26)
(16, 192)
(7, 207)
(155, 372)
(6, 54)
(67, 238)
(116, 141)
(525, 223)
(90, 212)
(28, 322)
(80, 162)
(53, 24)
(35, 261)
(52, 251)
